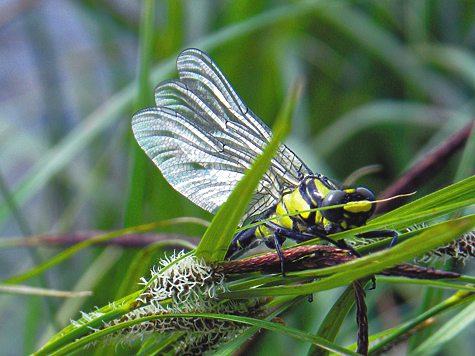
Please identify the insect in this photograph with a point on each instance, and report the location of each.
(203, 138)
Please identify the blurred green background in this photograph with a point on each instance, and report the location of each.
(385, 81)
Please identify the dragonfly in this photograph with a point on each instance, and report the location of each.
(204, 138)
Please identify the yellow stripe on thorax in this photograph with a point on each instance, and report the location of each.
(295, 202)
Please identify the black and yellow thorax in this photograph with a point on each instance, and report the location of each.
(317, 191)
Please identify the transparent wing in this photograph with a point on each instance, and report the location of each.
(204, 138)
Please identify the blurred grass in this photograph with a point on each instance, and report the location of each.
(385, 82)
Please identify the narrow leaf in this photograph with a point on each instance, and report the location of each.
(215, 242)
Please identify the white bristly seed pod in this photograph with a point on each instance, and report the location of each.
(184, 285)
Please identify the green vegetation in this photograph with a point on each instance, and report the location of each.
(385, 83)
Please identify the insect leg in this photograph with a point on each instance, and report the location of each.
(277, 243)
(379, 234)
(280, 234)
(301, 237)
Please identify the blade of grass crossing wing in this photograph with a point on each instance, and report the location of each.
(216, 240)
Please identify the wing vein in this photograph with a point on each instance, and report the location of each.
(203, 138)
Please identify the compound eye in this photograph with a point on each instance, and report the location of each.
(366, 193)
(335, 197)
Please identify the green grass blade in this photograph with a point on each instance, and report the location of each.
(234, 344)
(454, 301)
(344, 274)
(216, 240)
(133, 211)
(151, 347)
(455, 193)
(334, 319)
(275, 327)
(447, 332)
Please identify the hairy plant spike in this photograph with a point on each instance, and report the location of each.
(187, 285)
(462, 248)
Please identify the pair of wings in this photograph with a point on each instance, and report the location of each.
(203, 138)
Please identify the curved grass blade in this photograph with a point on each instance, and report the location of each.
(447, 332)
(455, 193)
(292, 332)
(368, 265)
(232, 345)
(459, 298)
(66, 338)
